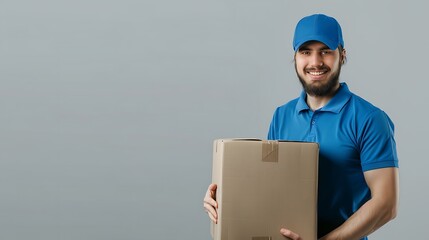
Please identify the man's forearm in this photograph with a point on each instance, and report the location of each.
(371, 216)
(376, 212)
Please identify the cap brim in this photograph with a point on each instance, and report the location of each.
(331, 44)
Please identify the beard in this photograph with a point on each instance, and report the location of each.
(322, 89)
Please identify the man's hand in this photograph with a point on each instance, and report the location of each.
(210, 204)
(289, 234)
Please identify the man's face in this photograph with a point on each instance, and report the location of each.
(318, 68)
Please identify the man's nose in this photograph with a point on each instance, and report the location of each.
(316, 60)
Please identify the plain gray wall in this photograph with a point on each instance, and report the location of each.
(109, 108)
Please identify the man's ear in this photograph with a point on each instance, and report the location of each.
(343, 56)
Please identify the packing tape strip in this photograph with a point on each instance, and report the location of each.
(270, 151)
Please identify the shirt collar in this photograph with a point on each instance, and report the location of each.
(334, 105)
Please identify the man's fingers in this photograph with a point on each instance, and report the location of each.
(212, 190)
(210, 195)
(210, 204)
(209, 209)
(210, 201)
(212, 217)
(213, 186)
(288, 233)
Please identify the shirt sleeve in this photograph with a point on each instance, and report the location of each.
(377, 143)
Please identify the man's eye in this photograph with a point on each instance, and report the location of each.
(325, 52)
(305, 52)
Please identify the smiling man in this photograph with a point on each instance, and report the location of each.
(358, 165)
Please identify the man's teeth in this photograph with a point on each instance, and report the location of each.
(316, 73)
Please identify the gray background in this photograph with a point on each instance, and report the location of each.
(109, 108)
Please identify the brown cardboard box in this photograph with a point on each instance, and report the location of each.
(264, 186)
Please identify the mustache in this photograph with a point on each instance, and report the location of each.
(317, 69)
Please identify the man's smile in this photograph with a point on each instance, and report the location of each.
(316, 72)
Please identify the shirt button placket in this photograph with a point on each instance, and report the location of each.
(312, 135)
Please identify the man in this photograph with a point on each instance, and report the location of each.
(358, 165)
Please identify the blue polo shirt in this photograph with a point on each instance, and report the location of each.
(354, 136)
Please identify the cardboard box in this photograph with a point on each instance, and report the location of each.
(264, 186)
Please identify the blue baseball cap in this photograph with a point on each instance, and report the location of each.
(318, 27)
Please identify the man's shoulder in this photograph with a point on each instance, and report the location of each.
(362, 104)
(365, 111)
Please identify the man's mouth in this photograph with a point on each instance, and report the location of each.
(316, 72)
